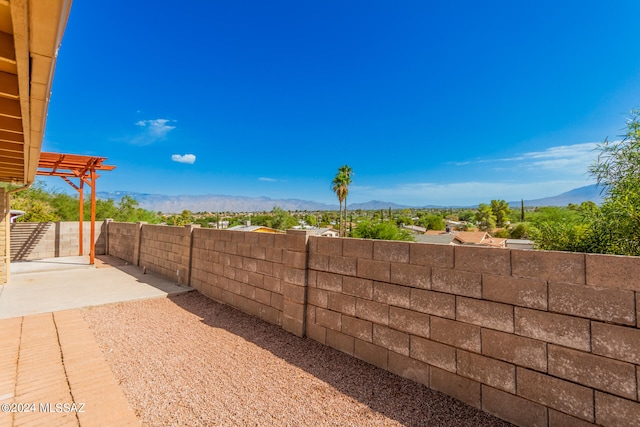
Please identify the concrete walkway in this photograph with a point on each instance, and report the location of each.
(56, 284)
(52, 371)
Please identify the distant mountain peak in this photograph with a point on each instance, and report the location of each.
(576, 196)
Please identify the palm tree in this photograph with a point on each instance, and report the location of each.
(338, 186)
(347, 172)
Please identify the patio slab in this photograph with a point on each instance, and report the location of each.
(57, 284)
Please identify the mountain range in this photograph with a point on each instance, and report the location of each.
(591, 193)
(224, 203)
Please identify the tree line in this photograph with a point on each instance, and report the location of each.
(43, 205)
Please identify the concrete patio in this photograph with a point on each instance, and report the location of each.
(55, 284)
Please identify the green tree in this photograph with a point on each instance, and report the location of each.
(346, 171)
(35, 210)
(127, 209)
(559, 236)
(466, 215)
(104, 209)
(281, 219)
(311, 220)
(558, 228)
(339, 186)
(385, 230)
(485, 219)
(520, 231)
(327, 218)
(615, 227)
(501, 212)
(403, 219)
(185, 217)
(432, 222)
(67, 207)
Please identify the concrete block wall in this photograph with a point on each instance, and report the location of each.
(535, 338)
(67, 238)
(38, 240)
(165, 250)
(258, 273)
(122, 238)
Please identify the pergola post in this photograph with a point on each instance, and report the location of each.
(81, 211)
(92, 243)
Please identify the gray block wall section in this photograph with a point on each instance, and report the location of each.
(536, 338)
(38, 240)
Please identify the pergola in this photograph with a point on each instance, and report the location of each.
(82, 168)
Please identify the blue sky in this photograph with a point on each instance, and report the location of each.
(430, 103)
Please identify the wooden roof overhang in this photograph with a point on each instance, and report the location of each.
(30, 35)
(83, 168)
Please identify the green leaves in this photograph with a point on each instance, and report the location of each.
(42, 205)
(485, 219)
(340, 186)
(385, 230)
(614, 227)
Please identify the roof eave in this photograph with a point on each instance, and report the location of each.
(38, 30)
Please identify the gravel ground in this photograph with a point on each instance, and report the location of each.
(190, 361)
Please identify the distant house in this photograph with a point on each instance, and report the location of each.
(324, 232)
(476, 238)
(520, 244)
(219, 224)
(256, 229)
(435, 236)
(479, 238)
(415, 228)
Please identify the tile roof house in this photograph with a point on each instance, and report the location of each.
(324, 232)
(480, 238)
(255, 229)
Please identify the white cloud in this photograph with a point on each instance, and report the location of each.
(564, 157)
(185, 158)
(575, 158)
(262, 178)
(152, 131)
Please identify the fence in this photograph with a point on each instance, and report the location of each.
(37, 240)
(535, 338)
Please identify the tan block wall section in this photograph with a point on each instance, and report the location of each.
(38, 240)
(536, 338)
(121, 237)
(166, 250)
(261, 274)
